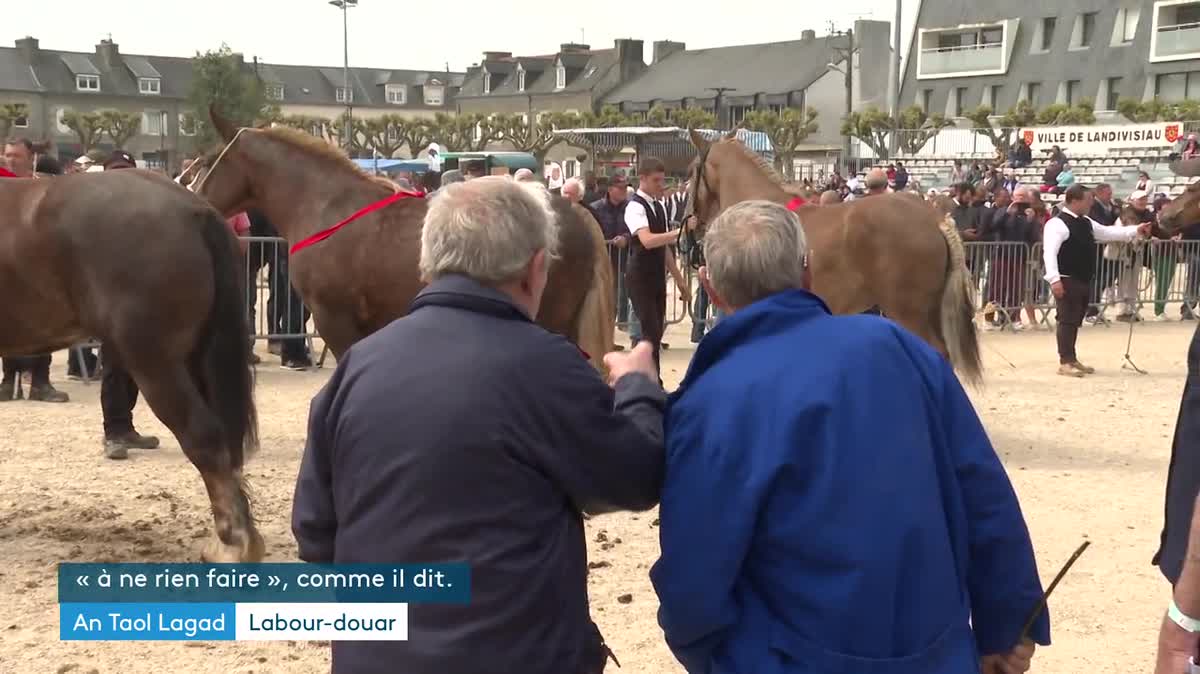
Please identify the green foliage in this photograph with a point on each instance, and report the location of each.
(1002, 132)
(686, 118)
(609, 116)
(1060, 114)
(9, 114)
(464, 133)
(1154, 110)
(871, 126)
(120, 126)
(786, 129)
(87, 126)
(222, 80)
(536, 135)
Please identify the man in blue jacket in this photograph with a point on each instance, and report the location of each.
(831, 501)
(465, 432)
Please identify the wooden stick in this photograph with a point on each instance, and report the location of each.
(1041, 605)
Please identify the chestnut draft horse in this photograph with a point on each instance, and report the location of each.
(892, 251)
(154, 272)
(365, 275)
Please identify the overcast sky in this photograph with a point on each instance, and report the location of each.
(395, 34)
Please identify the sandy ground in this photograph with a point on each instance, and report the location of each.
(1088, 458)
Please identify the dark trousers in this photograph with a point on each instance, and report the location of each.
(700, 314)
(118, 395)
(1070, 310)
(37, 366)
(89, 362)
(648, 293)
(286, 313)
(620, 290)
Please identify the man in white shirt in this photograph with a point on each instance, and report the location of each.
(1069, 246)
(649, 256)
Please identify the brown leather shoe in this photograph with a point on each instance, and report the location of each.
(8, 390)
(47, 394)
(1067, 370)
(117, 446)
(1083, 368)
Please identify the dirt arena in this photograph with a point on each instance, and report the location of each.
(1088, 458)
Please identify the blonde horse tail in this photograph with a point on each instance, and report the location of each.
(595, 322)
(957, 309)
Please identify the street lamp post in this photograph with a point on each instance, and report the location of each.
(894, 103)
(347, 92)
(847, 69)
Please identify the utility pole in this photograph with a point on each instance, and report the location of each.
(846, 52)
(894, 103)
(720, 108)
(347, 92)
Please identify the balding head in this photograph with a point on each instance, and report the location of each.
(524, 176)
(830, 197)
(877, 181)
(573, 190)
(753, 250)
(496, 231)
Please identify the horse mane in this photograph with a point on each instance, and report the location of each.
(761, 162)
(316, 148)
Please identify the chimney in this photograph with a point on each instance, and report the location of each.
(629, 58)
(806, 35)
(664, 48)
(28, 46)
(496, 55)
(109, 54)
(568, 47)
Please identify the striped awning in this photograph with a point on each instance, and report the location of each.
(669, 141)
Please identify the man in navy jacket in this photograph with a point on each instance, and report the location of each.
(464, 432)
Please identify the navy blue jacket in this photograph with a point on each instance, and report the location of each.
(832, 504)
(464, 432)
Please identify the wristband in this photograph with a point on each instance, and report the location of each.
(1188, 624)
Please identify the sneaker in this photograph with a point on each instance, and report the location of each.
(47, 394)
(296, 364)
(1019, 327)
(1068, 371)
(1083, 368)
(1161, 318)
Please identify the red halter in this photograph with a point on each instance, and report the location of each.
(795, 203)
(369, 208)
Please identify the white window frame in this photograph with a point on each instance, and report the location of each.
(1008, 29)
(151, 119)
(343, 95)
(17, 123)
(149, 86)
(1156, 11)
(184, 123)
(439, 99)
(487, 84)
(390, 89)
(560, 76)
(520, 78)
(86, 82)
(272, 89)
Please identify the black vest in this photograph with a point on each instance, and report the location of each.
(1077, 256)
(654, 258)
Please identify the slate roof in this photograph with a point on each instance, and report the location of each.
(54, 71)
(772, 68)
(585, 69)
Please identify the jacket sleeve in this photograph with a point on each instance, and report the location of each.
(711, 500)
(1002, 574)
(314, 521)
(604, 446)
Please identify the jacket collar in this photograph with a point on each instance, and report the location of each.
(463, 292)
(763, 318)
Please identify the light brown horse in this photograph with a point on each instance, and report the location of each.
(365, 275)
(153, 271)
(1182, 212)
(891, 251)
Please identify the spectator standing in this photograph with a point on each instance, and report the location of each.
(876, 183)
(1010, 181)
(901, 180)
(610, 213)
(286, 313)
(1013, 222)
(1162, 257)
(767, 565)
(1069, 250)
(958, 175)
(965, 213)
(1117, 275)
(19, 155)
(1179, 635)
(430, 444)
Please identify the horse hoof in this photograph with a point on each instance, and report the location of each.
(217, 552)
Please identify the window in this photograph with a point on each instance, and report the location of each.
(560, 76)
(187, 124)
(1187, 14)
(152, 122)
(393, 133)
(274, 92)
(344, 95)
(397, 94)
(1174, 87)
(737, 113)
(1071, 91)
(21, 121)
(1113, 94)
(1048, 24)
(1087, 30)
(1126, 26)
(960, 96)
(87, 82)
(487, 84)
(433, 95)
(926, 96)
(994, 97)
(520, 79)
(149, 85)
(58, 120)
(1033, 92)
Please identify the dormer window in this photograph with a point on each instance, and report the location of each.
(344, 95)
(434, 93)
(560, 76)
(397, 94)
(487, 83)
(520, 78)
(149, 85)
(87, 82)
(274, 91)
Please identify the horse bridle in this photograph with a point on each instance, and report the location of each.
(695, 251)
(195, 186)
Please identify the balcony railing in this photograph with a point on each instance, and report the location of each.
(1177, 40)
(966, 59)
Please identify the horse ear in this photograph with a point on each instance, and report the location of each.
(697, 140)
(221, 124)
(732, 134)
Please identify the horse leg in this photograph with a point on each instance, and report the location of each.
(339, 330)
(171, 392)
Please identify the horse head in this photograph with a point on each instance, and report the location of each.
(704, 179)
(222, 177)
(1182, 212)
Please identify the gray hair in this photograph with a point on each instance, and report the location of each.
(452, 176)
(524, 175)
(487, 229)
(575, 183)
(753, 250)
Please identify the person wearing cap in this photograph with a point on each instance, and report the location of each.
(19, 156)
(81, 164)
(610, 213)
(473, 168)
(118, 390)
(1160, 258)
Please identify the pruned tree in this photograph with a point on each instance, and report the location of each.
(1061, 114)
(221, 79)
(609, 116)
(9, 114)
(687, 118)
(87, 126)
(871, 126)
(1154, 110)
(535, 135)
(1002, 132)
(464, 133)
(786, 129)
(915, 127)
(382, 134)
(416, 135)
(121, 126)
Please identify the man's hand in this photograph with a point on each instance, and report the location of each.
(639, 359)
(621, 241)
(1057, 289)
(1175, 646)
(970, 233)
(690, 223)
(1013, 208)
(1145, 228)
(1016, 661)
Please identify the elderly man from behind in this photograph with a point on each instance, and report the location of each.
(876, 183)
(465, 432)
(790, 442)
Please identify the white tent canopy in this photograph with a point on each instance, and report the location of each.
(665, 141)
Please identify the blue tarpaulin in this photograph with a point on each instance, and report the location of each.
(394, 165)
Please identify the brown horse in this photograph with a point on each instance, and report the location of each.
(365, 275)
(892, 251)
(1182, 212)
(153, 271)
